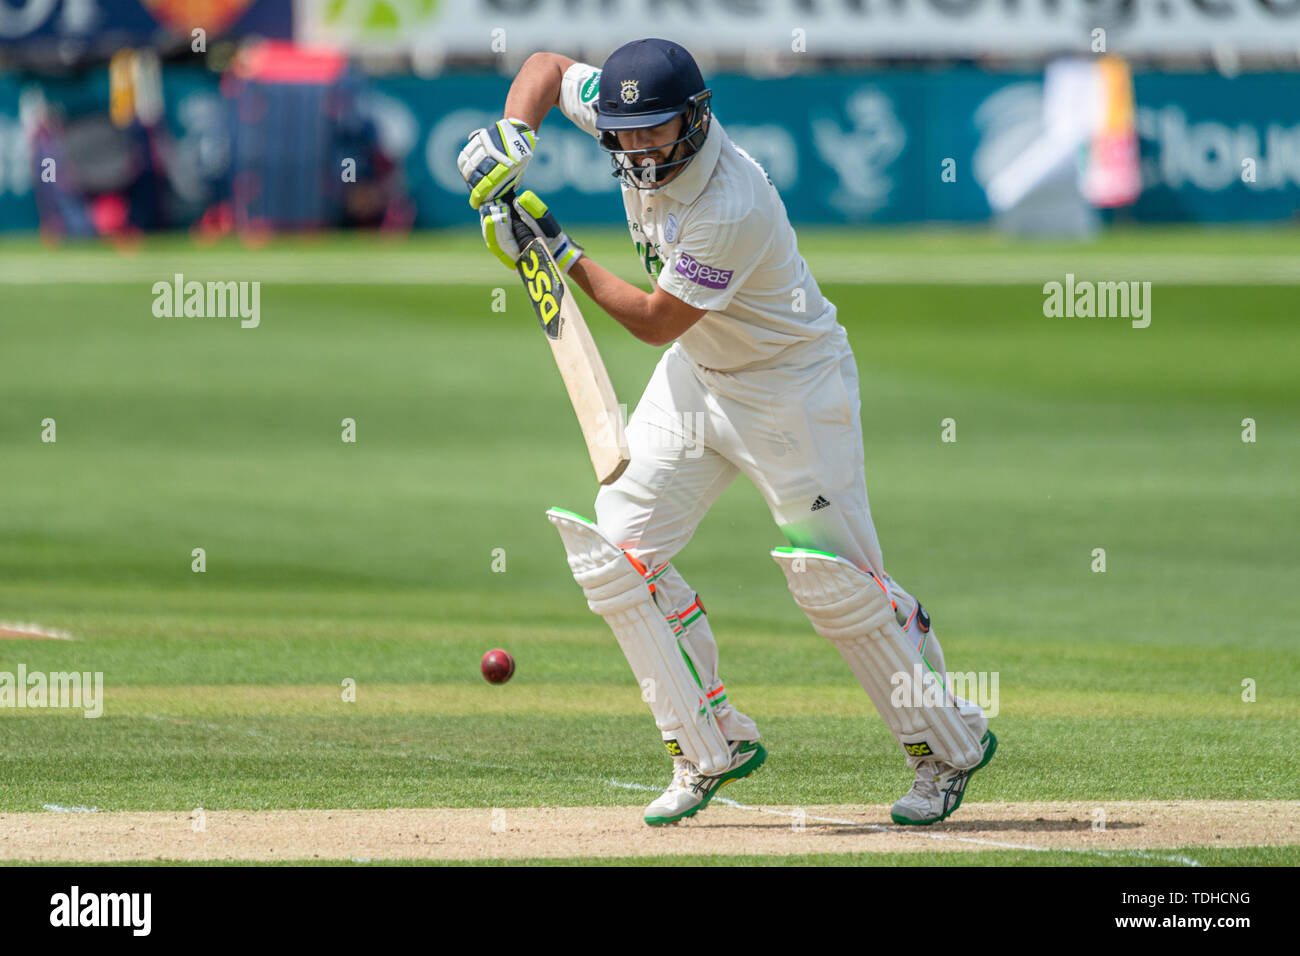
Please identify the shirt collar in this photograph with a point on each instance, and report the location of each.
(689, 183)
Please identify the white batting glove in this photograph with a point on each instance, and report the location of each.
(497, 219)
(542, 222)
(493, 161)
(507, 228)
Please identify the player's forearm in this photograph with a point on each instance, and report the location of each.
(627, 304)
(536, 88)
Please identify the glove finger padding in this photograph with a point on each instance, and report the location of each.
(535, 214)
(494, 158)
(498, 234)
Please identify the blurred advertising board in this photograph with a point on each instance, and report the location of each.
(874, 147)
(877, 147)
(66, 29)
(818, 27)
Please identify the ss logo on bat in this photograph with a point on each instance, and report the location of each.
(544, 288)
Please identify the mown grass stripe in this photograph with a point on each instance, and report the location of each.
(521, 696)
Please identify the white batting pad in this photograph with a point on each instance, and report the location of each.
(616, 591)
(850, 608)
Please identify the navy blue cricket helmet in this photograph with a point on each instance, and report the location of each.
(643, 84)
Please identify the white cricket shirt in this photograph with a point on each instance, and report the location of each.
(717, 237)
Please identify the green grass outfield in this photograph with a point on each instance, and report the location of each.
(373, 561)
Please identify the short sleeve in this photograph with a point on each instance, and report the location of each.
(578, 91)
(713, 259)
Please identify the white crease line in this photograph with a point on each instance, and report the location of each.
(55, 808)
(880, 828)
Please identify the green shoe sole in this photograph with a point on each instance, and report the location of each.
(988, 755)
(740, 773)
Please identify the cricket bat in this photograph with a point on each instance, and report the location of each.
(575, 353)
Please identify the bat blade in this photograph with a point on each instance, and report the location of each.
(578, 359)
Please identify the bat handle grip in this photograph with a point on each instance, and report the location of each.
(523, 235)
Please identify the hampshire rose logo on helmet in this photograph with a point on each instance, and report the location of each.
(630, 93)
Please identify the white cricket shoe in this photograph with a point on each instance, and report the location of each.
(691, 791)
(938, 789)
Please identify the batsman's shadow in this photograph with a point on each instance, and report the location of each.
(958, 827)
(1041, 825)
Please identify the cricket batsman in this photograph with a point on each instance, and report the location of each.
(758, 379)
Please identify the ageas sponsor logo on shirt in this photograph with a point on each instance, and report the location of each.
(700, 274)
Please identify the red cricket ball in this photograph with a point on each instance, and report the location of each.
(497, 666)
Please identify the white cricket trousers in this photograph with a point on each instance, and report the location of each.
(794, 429)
